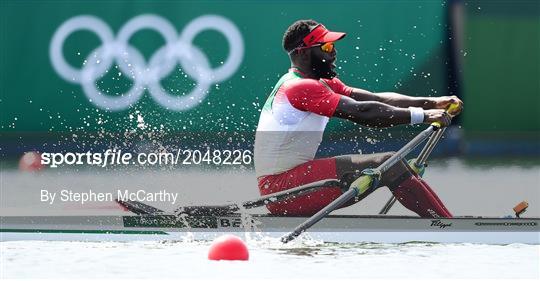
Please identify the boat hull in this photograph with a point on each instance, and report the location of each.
(343, 229)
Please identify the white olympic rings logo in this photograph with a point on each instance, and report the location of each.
(177, 49)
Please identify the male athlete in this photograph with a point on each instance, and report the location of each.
(295, 115)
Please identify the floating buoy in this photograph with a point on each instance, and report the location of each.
(30, 161)
(228, 247)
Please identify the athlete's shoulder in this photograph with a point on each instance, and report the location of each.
(335, 81)
(312, 95)
(338, 86)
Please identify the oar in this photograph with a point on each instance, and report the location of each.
(368, 180)
(419, 164)
(228, 209)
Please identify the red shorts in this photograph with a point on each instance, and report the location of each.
(307, 204)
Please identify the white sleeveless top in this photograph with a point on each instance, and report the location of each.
(292, 121)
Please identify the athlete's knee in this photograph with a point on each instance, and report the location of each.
(400, 165)
(397, 173)
(363, 161)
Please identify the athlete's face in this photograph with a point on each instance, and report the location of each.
(323, 63)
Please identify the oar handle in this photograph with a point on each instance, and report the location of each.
(451, 109)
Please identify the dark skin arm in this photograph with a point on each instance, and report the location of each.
(404, 101)
(393, 99)
(378, 114)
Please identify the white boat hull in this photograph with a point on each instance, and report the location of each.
(342, 229)
(496, 238)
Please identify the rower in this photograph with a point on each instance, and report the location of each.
(295, 115)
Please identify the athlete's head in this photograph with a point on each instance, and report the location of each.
(311, 45)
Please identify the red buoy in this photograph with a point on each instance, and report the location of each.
(228, 247)
(30, 161)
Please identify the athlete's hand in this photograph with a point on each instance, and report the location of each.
(437, 115)
(446, 101)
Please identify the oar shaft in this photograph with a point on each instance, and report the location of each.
(348, 195)
(434, 139)
(405, 150)
(430, 145)
(388, 205)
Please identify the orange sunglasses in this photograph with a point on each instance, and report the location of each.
(327, 47)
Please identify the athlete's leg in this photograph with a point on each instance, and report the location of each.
(430, 191)
(358, 162)
(306, 204)
(410, 190)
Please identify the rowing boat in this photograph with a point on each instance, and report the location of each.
(146, 222)
(333, 228)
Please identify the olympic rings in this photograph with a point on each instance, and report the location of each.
(178, 49)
